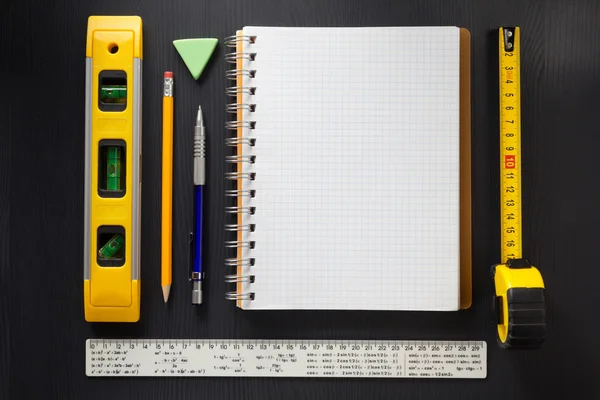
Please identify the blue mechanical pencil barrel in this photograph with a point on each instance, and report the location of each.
(199, 182)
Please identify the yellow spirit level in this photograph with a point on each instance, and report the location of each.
(520, 297)
(112, 169)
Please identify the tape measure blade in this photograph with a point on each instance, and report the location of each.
(510, 144)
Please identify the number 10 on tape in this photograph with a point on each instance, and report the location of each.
(510, 162)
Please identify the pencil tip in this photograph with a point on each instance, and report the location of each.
(166, 290)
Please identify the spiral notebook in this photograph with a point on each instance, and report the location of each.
(352, 168)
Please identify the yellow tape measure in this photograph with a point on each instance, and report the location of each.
(520, 293)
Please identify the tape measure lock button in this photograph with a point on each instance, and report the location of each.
(518, 263)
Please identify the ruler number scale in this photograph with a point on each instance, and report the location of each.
(510, 148)
(285, 358)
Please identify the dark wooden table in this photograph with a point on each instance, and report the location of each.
(42, 326)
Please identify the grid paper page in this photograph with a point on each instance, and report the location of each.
(357, 168)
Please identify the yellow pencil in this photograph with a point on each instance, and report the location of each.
(167, 188)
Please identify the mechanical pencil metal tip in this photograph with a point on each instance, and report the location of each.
(199, 119)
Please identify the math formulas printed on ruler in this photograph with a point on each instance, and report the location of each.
(286, 358)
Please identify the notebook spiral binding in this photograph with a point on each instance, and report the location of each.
(236, 142)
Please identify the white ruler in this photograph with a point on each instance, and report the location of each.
(286, 358)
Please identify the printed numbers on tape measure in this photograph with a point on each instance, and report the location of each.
(510, 153)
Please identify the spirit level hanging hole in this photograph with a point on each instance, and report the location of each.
(113, 48)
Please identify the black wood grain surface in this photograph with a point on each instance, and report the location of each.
(42, 326)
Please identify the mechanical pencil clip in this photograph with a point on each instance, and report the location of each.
(199, 182)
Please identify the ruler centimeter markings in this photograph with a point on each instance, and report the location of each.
(510, 145)
(285, 358)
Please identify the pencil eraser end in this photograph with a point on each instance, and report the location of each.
(168, 74)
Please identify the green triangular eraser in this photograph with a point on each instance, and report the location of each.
(195, 53)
